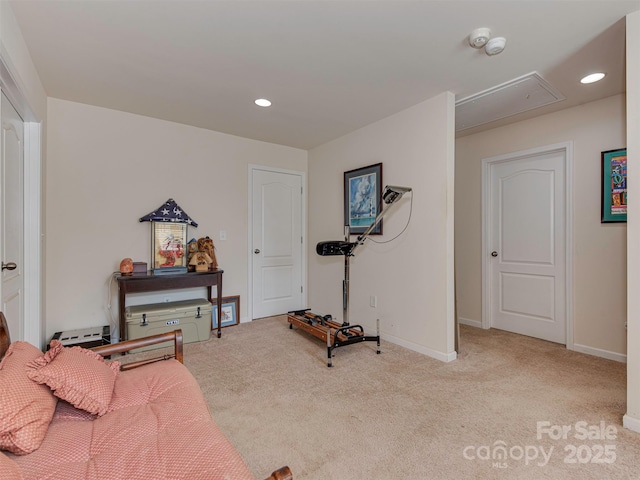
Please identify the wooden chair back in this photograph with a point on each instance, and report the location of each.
(5, 339)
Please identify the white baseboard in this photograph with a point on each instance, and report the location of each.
(443, 357)
(471, 323)
(631, 423)
(597, 352)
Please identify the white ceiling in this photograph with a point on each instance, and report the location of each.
(329, 67)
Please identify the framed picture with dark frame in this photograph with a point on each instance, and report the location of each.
(614, 186)
(362, 198)
(230, 312)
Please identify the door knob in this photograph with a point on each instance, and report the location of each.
(494, 254)
(9, 266)
(256, 251)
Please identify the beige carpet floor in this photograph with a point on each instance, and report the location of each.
(498, 411)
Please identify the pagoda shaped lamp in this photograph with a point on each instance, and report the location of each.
(169, 224)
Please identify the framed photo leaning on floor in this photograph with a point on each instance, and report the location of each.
(230, 312)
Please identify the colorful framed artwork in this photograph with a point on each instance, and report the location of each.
(362, 198)
(614, 186)
(168, 243)
(230, 312)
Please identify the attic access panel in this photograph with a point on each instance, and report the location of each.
(516, 96)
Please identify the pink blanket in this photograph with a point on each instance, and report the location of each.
(158, 427)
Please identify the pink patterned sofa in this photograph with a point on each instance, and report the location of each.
(155, 425)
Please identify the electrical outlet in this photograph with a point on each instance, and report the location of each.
(373, 301)
(223, 234)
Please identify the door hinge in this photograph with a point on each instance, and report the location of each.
(301, 291)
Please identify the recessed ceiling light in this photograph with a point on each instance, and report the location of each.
(263, 102)
(594, 77)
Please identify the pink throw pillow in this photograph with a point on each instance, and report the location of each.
(81, 377)
(26, 408)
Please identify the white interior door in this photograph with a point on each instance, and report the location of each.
(527, 245)
(12, 219)
(277, 243)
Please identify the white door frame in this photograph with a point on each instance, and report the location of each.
(33, 269)
(250, 254)
(567, 148)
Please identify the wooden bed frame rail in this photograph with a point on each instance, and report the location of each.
(283, 473)
(128, 345)
(5, 339)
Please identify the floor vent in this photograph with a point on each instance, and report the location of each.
(516, 96)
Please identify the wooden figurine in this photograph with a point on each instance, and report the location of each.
(192, 248)
(205, 245)
(201, 261)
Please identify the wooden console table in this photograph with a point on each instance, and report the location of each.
(154, 283)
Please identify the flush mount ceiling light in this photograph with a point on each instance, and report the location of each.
(594, 77)
(263, 102)
(479, 37)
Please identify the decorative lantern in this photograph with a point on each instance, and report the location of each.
(169, 225)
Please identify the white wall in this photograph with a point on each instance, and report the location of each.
(632, 418)
(107, 168)
(15, 54)
(599, 275)
(412, 276)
